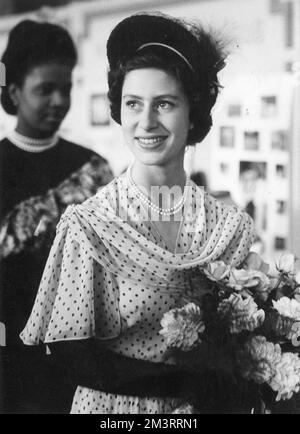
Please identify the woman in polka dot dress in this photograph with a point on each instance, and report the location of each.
(124, 257)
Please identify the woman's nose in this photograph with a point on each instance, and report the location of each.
(148, 119)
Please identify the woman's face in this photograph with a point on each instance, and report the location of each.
(43, 100)
(154, 116)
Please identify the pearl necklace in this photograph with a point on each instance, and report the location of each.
(30, 144)
(146, 201)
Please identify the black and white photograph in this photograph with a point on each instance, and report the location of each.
(149, 209)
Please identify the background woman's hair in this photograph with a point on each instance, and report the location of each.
(201, 86)
(32, 44)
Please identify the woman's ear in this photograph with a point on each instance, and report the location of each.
(13, 92)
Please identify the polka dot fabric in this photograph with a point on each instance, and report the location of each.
(110, 275)
(85, 402)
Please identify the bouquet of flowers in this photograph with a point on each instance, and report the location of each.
(240, 329)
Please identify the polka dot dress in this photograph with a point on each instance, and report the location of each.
(110, 275)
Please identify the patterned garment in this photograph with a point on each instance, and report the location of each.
(111, 276)
(32, 223)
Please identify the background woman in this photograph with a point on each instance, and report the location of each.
(41, 173)
(127, 255)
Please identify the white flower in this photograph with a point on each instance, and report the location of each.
(286, 263)
(287, 322)
(241, 279)
(286, 379)
(241, 313)
(217, 271)
(288, 307)
(263, 362)
(184, 409)
(182, 327)
(258, 359)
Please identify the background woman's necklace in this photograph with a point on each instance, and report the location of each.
(148, 202)
(30, 144)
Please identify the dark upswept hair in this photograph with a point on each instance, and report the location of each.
(30, 44)
(200, 84)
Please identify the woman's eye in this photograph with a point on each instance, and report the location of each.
(165, 105)
(44, 90)
(132, 105)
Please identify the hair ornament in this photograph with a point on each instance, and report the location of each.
(159, 44)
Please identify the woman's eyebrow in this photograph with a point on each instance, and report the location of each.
(132, 96)
(168, 95)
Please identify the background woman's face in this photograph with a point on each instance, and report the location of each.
(154, 116)
(43, 100)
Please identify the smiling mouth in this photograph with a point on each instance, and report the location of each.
(151, 142)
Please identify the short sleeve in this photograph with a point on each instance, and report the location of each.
(76, 299)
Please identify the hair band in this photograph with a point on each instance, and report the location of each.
(149, 44)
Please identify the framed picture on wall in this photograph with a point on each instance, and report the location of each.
(253, 170)
(281, 171)
(279, 140)
(99, 110)
(234, 110)
(227, 137)
(280, 243)
(251, 140)
(281, 206)
(269, 106)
